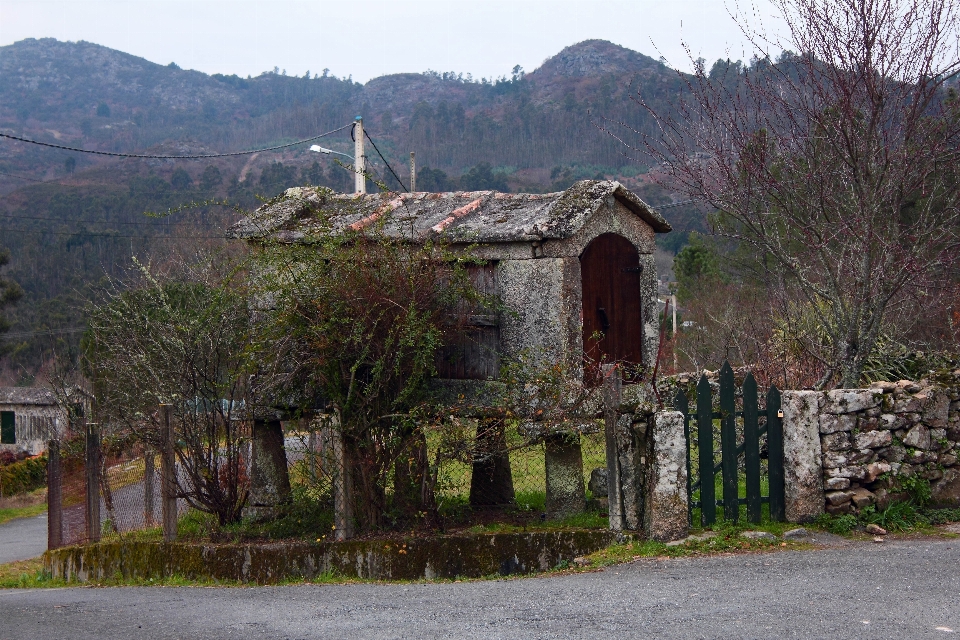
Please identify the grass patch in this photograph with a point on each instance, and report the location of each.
(899, 517)
(24, 505)
(21, 512)
(26, 574)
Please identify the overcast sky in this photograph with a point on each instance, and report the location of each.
(375, 37)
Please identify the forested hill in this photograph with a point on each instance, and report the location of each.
(69, 218)
(85, 95)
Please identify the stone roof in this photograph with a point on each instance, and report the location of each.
(467, 216)
(27, 395)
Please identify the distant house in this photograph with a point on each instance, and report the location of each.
(569, 266)
(29, 417)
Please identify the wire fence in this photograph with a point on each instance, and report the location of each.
(505, 484)
(125, 479)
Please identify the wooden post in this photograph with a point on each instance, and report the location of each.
(168, 476)
(92, 468)
(149, 475)
(54, 496)
(312, 452)
(359, 159)
(775, 457)
(612, 389)
(342, 487)
(413, 171)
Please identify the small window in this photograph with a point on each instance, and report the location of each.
(8, 427)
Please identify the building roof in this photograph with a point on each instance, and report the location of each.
(467, 216)
(27, 395)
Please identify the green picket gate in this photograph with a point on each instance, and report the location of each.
(701, 457)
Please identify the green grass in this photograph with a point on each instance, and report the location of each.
(12, 513)
(899, 517)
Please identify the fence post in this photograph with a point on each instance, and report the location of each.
(342, 487)
(149, 473)
(54, 496)
(168, 477)
(93, 482)
(612, 390)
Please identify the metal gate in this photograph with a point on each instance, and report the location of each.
(740, 432)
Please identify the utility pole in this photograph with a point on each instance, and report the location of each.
(358, 158)
(674, 301)
(413, 172)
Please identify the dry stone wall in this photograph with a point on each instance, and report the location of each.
(889, 443)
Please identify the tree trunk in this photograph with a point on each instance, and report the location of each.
(492, 482)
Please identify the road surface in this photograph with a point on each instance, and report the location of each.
(898, 589)
(23, 538)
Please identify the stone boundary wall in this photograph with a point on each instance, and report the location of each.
(878, 444)
(470, 556)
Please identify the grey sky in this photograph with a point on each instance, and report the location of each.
(376, 37)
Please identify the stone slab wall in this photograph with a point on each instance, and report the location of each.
(446, 557)
(885, 443)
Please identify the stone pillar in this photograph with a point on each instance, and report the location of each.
(802, 464)
(491, 482)
(630, 452)
(564, 470)
(665, 515)
(612, 395)
(269, 479)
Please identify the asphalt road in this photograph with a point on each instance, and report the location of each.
(906, 589)
(23, 538)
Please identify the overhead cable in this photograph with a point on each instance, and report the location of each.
(385, 161)
(197, 157)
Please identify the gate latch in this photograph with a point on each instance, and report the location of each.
(632, 269)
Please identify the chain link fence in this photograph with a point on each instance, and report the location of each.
(104, 488)
(99, 488)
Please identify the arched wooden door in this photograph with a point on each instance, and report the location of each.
(610, 269)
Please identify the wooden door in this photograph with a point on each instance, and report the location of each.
(610, 269)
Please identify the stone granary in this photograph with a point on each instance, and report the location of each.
(567, 266)
(28, 418)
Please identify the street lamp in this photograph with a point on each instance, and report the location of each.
(320, 149)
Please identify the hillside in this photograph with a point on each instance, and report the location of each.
(71, 219)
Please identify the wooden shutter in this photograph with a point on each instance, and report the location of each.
(474, 353)
(8, 427)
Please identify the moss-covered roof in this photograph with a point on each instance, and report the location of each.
(470, 216)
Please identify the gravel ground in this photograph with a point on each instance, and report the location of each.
(898, 589)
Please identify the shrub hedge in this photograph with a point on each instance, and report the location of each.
(23, 476)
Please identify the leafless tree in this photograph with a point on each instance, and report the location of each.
(180, 336)
(836, 163)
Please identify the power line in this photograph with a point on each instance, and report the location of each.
(13, 175)
(156, 224)
(46, 332)
(208, 155)
(111, 235)
(385, 160)
(675, 204)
